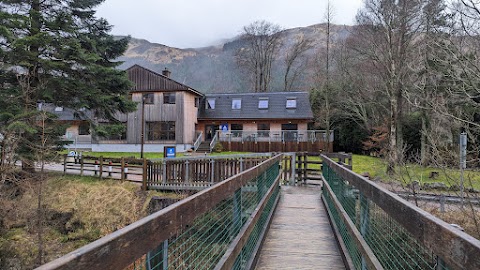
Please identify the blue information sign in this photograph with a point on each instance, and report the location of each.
(170, 151)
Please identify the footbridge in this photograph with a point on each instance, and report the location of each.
(257, 219)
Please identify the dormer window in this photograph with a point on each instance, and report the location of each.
(210, 103)
(236, 104)
(168, 98)
(291, 103)
(263, 103)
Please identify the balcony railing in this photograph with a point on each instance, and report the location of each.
(275, 136)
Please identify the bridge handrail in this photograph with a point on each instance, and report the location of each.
(123, 247)
(455, 248)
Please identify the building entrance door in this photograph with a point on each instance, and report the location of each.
(210, 131)
(290, 132)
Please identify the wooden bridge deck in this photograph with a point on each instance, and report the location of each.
(300, 236)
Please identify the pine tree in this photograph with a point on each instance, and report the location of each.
(56, 51)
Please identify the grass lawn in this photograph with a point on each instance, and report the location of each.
(377, 167)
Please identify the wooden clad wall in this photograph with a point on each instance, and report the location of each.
(155, 112)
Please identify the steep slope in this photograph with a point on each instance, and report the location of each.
(214, 69)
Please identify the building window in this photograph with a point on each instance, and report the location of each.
(168, 98)
(263, 130)
(210, 103)
(84, 128)
(148, 98)
(158, 131)
(263, 103)
(236, 127)
(291, 103)
(236, 104)
(197, 102)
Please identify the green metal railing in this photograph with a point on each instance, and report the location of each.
(378, 230)
(221, 227)
(203, 244)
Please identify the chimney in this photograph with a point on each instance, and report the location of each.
(166, 73)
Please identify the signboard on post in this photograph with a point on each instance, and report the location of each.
(224, 128)
(463, 150)
(169, 152)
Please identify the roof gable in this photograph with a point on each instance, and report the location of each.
(148, 80)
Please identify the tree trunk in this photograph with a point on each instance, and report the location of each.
(423, 141)
(392, 153)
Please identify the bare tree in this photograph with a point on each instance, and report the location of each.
(295, 62)
(387, 31)
(323, 92)
(262, 42)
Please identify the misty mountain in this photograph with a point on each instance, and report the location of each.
(214, 69)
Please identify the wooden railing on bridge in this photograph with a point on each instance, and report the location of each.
(379, 230)
(220, 227)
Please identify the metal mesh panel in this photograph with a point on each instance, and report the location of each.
(202, 244)
(393, 246)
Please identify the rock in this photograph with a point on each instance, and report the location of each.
(435, 185)
(366, 175)
(414, 185)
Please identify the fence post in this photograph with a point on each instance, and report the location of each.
(101, 167)
(305, 168)
(241, 164)
(110, 168)
(212, 172)
(237, 212)
(144, 174)
(364, 222)
(293, 168)
(187, 172)
(122, 168)
(164, 172)
(64, 164)
(95, 168)
(81, 166)
(442, 203)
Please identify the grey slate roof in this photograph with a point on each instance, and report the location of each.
(67, 114)
(249, 107)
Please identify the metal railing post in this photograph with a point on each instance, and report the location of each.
(364, 222)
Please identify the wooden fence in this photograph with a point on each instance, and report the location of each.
(308, 165)
(197, 173)
(130, 169)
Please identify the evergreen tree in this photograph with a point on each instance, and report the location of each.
(56, 51)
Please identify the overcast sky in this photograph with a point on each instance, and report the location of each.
(198, 23)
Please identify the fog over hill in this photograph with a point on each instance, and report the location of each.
(214, 69)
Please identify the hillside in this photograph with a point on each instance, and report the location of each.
(213, 69)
